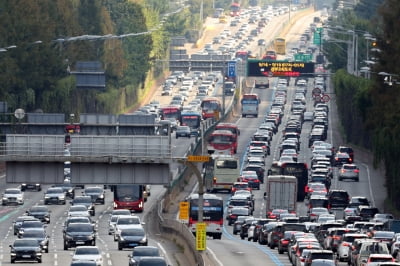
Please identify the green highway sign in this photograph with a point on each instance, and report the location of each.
(317, 36)
(303, 57)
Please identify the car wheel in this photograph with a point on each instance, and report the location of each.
(12, 261)
(65, 246)
(357, 180)
(280, 251)
(47, 250)
(39, 260)
(119, 247)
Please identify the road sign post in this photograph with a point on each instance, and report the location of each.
(184, 210)
(201, 229)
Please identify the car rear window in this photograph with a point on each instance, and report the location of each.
(327, 256)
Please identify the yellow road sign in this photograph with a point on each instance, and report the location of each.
(183, 210)
(201, 236)
(198, 158)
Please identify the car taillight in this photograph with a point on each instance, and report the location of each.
(336, 237)
(284, 241)
(345, 244)
(356, 171)
(233, 216)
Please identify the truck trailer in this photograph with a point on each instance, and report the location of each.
(281, 193)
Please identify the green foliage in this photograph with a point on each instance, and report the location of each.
(370, 109)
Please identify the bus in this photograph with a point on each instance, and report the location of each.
(232, 127)
(128, 196)
(210, 108)
(221, 142)
(235, 9)
(280, 46)
(170, 111)
(250, 103)
(221, 172)
(193, 120)
(297, 169)
(213, 214)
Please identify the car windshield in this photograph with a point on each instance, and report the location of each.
(82, 200)
(26, 243)
(130, 220)
(13, 191)
(78, 208)
(34, 234)
(87, 251)
(32, 224)
(55, 191)
(80, 228)
(146, 252)
(133, 232)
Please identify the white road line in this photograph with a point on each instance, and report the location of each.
(369, 184)
(164, 252)
(215, 257)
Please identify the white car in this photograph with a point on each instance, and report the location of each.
(395, 245)
(13, 196)
(78, 210)
(88, 253)
(344, 248)
(315, 212)
(126, 222)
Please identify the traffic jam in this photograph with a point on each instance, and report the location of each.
(334, 227)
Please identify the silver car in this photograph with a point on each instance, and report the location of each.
(349, 171)
(13, 196)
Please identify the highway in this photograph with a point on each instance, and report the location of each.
(231, 250)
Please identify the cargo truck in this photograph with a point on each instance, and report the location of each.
(281, 193)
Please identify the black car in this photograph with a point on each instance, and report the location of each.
(31, 186)
(265, 231)
(342, 158)
(245, 227)
(28, 225)
(132, 237)
(85, 200)
(40, 212)
(96, 193)
(20, 219)
(76, 234)
(144, 251)
(40, 235)
(68, 188)
(356, 201)
(338, 198)
(367, 212)
(348, 150)
(259, 225)
(26, 249)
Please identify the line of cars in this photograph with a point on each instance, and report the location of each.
(79, 231)
(360, 238)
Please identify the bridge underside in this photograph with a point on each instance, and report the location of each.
(88, 173)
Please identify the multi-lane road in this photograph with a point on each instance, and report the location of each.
(231, 250)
